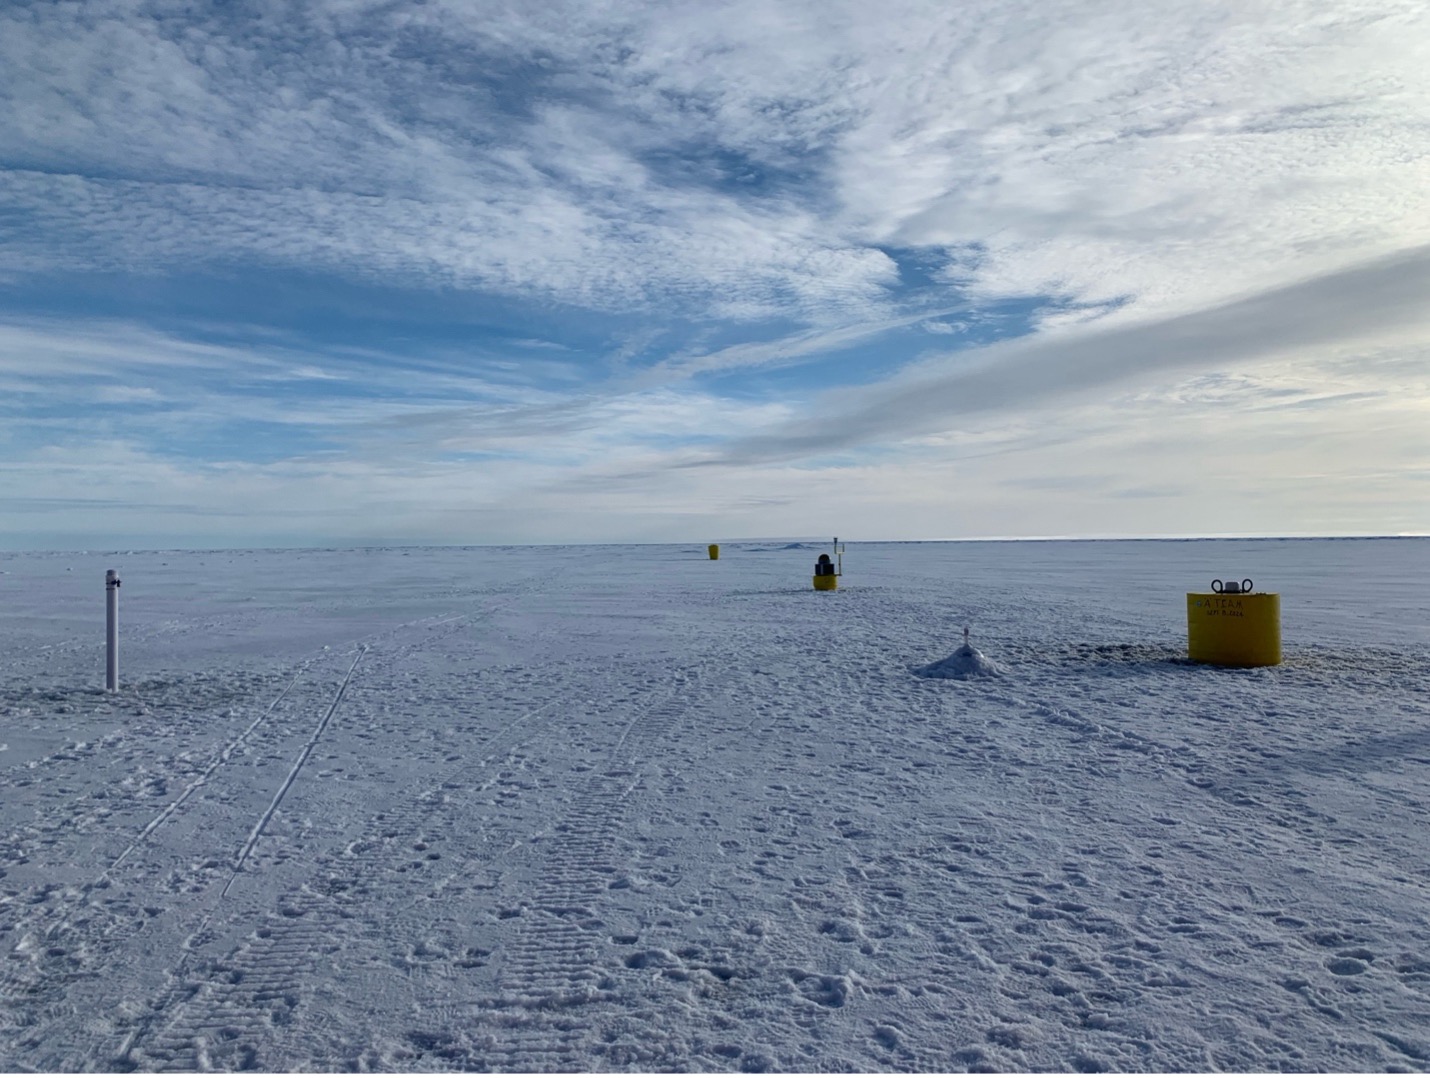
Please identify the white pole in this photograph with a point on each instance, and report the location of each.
(111, 664)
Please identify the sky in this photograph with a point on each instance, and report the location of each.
(348, 272)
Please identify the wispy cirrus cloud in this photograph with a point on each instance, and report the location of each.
(1376, 305)
(743, 162)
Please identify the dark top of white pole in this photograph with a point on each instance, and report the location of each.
(111, 630)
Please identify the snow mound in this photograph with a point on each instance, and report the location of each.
(966, 662)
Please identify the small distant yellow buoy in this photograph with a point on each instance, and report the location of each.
(826, 573)
(1234, 626)
(714, 551)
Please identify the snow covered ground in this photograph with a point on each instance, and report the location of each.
(626, 808)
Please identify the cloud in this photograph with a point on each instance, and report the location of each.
(127, 395)
(46, 348)
(1200, 453)
(281, 397)
(1377, 304)
(1176, 154)
(1179, 154)
(319, 144)
(792, 348)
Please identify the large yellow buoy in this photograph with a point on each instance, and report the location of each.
(826, 583)
(714, 551)
(1233, 626)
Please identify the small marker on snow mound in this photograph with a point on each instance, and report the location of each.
(966, 662)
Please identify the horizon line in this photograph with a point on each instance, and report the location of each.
(408, 545)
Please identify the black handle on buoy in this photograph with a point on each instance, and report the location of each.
(1235, 589)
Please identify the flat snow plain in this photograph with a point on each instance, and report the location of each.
(626, 808)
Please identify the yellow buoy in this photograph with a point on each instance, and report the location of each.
(1234, 626)
(826, 572)
(714, 551)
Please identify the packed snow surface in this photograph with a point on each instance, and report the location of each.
(629, 808)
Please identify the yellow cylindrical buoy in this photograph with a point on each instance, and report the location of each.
(1234, 626)
(714, 551)
(826, 572)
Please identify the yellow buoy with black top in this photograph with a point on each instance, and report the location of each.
(1234, 626)
(826, 573)
(714, 551)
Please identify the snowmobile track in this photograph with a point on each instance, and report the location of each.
(245, 999)
(260, 984)
(551, 966)
(219, 1008)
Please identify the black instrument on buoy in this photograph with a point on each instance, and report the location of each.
(1231, 587)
